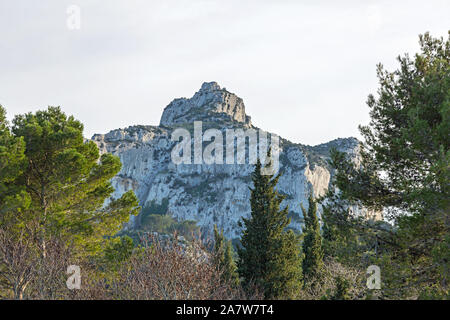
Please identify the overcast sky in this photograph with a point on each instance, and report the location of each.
(303, 68)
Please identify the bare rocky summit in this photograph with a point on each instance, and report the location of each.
(209, 104)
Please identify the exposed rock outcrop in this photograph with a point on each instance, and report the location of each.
(209, 104)
(214, 193)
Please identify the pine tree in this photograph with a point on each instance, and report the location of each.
(341, 239)
(118, 250)
(223, 258)
(404, 170)
(312, 242)
(270, 256)
(68, 182)
(13, 198)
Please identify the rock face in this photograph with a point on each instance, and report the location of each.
(211, 193)
(209, 104)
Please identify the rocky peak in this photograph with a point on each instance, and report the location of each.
(210, 86)
(210, 104)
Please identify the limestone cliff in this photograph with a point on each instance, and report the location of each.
(215, 193)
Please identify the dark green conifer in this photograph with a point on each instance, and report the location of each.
(312, 242)
(223, 258)
(269, 257)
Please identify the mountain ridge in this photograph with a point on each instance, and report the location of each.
(215, 193)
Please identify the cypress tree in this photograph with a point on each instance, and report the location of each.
(312, 242)
(269, 257)
(223, 258)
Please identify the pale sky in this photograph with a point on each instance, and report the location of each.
(303, 68)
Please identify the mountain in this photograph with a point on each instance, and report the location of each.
(210, 193)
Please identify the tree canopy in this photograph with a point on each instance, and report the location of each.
(404, 170)
(67, 181)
